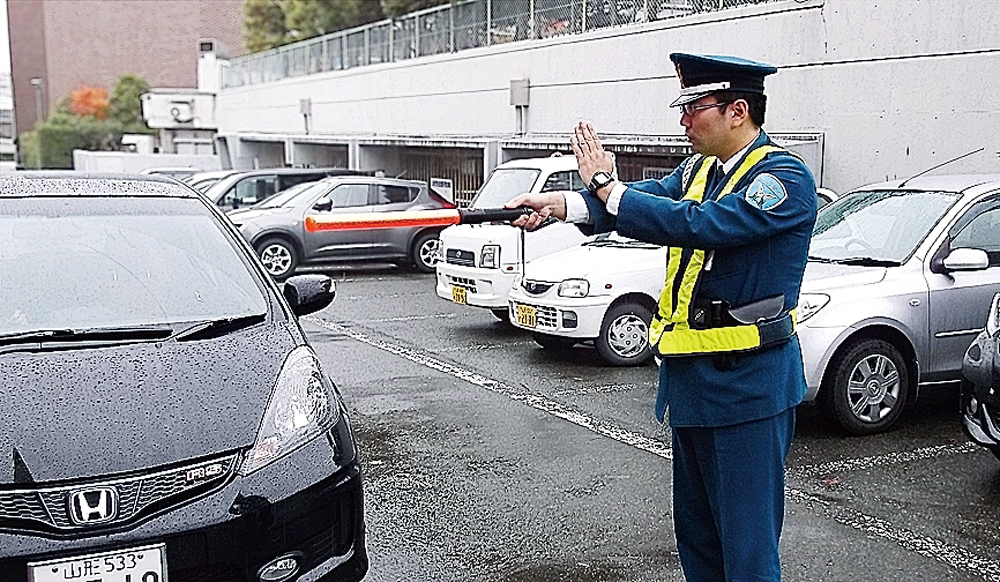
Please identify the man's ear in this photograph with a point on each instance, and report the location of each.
(740, 112)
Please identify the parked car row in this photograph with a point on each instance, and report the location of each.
(899, 280)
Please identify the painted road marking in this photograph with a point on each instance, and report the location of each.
(948, 554)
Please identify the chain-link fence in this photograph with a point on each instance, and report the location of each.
(454, 27)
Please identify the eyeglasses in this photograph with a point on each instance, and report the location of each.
(689, 109)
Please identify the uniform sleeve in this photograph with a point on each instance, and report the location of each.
(604, 221)
(779, 197)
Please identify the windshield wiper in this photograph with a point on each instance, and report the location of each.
(130, 333)
(216, 327)
(820, 259)
(868, 262)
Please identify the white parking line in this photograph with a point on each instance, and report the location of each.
(866, 463)
(933, 548)
(552, 407)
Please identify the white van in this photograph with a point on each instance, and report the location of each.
(478, 262)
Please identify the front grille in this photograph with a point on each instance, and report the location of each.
(535, 287)
(464, 282)
(547, 317)
(460, 257)
(47, 509)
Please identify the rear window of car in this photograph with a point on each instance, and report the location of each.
(395, 194)
(78, 262)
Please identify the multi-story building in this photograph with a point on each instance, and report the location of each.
(59, 45)
(8, 157)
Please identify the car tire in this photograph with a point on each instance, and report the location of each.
(426, 251)
(866, 387)
(553, 342)
(624, 339)
(278, 256)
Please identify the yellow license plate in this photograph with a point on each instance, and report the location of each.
(458, 295)
(526, 316)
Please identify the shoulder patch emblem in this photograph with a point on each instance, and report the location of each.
(766, 192)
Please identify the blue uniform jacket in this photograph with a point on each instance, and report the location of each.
(761, 239)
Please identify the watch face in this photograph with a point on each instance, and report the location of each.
(600, 180)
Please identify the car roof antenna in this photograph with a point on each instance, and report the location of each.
(928, 170)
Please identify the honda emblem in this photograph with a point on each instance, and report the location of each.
(93, 506)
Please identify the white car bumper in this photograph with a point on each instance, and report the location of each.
(483, 287)
(556, 316)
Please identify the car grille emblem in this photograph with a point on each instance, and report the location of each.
(93, 506)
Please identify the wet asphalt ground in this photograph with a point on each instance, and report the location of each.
(489, 458)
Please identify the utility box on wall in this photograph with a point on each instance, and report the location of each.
(179, 108)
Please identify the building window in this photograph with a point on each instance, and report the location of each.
(6, 123)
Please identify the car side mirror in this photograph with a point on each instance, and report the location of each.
(323, 205)
(236, 202)
(309, 293)
(966, 260)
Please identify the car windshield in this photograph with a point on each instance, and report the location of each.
(504, 184)
(103, 262)
(877, 226)
(292, 196)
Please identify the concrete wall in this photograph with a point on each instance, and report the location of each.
(894, 87)
(124, 162)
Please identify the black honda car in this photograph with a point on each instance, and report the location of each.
(163, 415)
(981, 383)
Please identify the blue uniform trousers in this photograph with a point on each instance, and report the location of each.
(729, 498)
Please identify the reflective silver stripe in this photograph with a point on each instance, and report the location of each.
(706, 88)
(957, 332)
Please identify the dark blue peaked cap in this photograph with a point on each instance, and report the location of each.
(702, 75)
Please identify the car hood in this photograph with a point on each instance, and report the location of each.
(827, 276)
(473, 236)
(590, 261)
(246, 215)
(75, 414)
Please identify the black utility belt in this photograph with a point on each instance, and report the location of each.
(712, 313)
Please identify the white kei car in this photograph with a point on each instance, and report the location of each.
(603, 291)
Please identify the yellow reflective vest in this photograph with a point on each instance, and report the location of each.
(671, 331)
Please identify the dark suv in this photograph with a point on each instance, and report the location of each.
(164, 416)
(249, 187)
(276, 227)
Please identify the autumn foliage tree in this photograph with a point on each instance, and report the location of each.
(87, 119)
(90, 102)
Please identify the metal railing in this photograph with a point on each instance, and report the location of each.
(454, 27)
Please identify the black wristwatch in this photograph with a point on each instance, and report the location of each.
(600, 180)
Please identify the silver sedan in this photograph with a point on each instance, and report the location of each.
(898, 283)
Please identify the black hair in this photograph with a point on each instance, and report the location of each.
(756, 103)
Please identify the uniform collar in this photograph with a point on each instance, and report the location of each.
(728, 166)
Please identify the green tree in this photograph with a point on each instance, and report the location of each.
(51, 144)
(126, 103)
(397, 8)
(264, 24)
(308, 18)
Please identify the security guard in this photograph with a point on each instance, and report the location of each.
(737, 217)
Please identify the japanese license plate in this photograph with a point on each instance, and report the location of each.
(146, 564)
(458, 295)
(526, 316)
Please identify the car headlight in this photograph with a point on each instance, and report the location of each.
(490, 257)
(303, 406)
(810, 304)
(574, 288)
